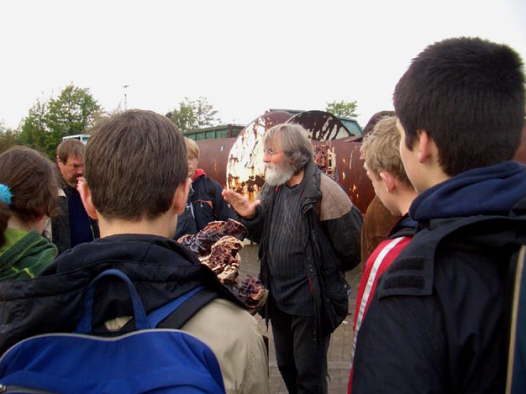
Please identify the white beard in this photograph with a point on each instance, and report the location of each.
(275, 176)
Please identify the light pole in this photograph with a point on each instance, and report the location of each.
(125, 87)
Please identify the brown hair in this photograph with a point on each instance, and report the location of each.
(380, 150)
(192, 149)
(70, 147)
(134, 162)
(32, 181)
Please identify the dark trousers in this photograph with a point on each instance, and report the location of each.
(302, 360)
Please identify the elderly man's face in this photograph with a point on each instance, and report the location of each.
(71, 170)
(277, 167)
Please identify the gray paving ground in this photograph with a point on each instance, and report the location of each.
(340, 346)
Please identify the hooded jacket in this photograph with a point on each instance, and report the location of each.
(161, 271)
(438, 323)
(25, 254)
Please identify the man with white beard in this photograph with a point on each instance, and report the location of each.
(308, 233)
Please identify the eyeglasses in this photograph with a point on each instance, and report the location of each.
(270, 151)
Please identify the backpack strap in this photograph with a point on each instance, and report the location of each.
(158, 315)
(84, 324)
(188, 309)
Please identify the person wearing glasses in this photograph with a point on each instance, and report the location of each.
(72, 224)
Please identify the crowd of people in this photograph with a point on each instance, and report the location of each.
(438, 244)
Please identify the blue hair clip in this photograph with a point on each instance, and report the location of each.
(5, 194)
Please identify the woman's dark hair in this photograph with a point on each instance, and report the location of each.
(32, 180)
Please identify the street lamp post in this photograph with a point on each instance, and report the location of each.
(125, 87)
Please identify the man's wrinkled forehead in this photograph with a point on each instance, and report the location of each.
(273, 142)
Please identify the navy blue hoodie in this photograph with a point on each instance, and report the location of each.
(490, 190)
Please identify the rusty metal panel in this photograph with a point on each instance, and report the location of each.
(245, 168)
(351, 174)
(321, 125)
(213, 156)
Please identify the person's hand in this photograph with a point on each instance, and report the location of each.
(240, 203)
(80, 180)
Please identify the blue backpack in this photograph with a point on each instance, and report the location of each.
(148, 360)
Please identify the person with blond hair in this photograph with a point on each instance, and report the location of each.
(385, 170)
(205, 202)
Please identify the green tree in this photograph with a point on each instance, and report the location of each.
(8, 138)
(194, 114)
(33, 131)
(74, 111)
(343, 109)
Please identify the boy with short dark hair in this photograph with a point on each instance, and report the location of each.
(136, 186)
(438, 320)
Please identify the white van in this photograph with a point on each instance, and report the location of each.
(81, 137)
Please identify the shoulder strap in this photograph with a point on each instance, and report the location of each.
(412, 273)
(518, 282)
(186, 305)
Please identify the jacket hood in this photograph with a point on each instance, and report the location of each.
(25, 255)
(492, 190)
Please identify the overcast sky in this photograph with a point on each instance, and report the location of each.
(243, 56)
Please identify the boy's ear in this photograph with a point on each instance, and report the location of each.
(85, 196)
(389, 181)
(180, 196)
(425, 146)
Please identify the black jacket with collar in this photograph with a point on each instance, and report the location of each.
(333, 243)
(60, 226)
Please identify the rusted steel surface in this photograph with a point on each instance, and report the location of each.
(213, 157)
(351, 174)
(321, 125)
(245, 169)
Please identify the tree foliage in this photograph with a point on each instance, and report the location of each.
(343, 109)
(194, 114)
(74, 111)
(8, 138)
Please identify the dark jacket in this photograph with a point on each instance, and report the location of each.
(438, 320)
(333, 243)
(160, 269)
(205, 204)
(60, 224)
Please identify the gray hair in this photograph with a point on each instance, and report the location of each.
(293, 141)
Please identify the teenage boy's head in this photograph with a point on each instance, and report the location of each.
(383, 164)
(135, 163)
(467, 96)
